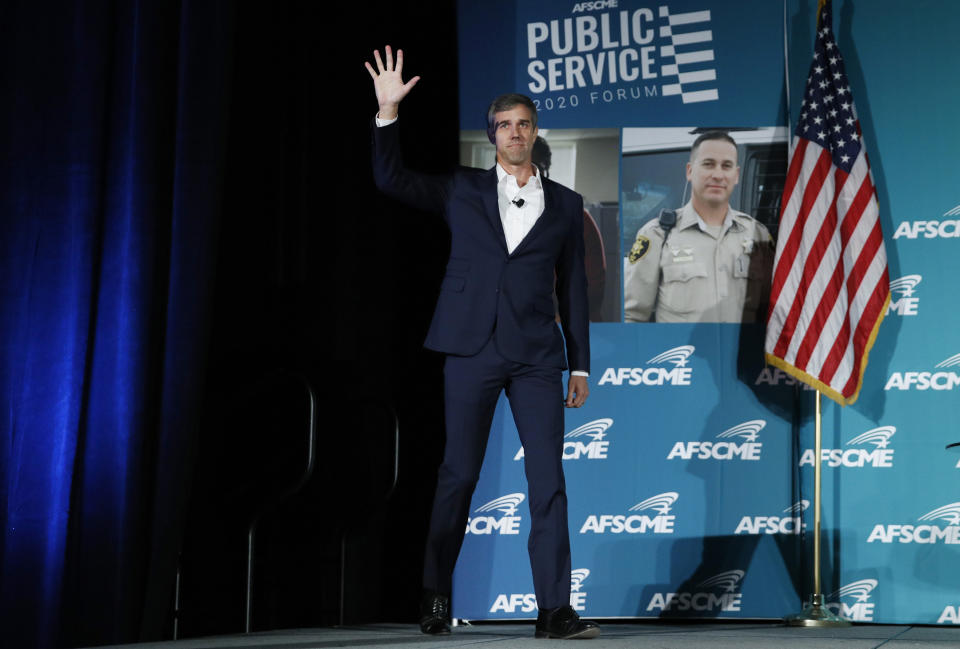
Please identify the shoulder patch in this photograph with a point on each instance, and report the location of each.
(639, 249)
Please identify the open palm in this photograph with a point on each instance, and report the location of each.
(388, 82)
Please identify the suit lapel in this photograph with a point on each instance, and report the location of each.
(488, 194)
(549, 213)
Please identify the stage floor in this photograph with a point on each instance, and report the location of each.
(739, 635)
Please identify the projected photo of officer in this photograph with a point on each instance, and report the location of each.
(700, 259)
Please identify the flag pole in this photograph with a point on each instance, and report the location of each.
(827, 131)
(815, 613)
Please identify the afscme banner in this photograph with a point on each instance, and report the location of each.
(690, 469)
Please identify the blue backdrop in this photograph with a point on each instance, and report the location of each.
(689, 470)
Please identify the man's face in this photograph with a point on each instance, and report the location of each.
(515, 134)
(713, 172)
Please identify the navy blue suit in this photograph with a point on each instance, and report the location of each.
(495, 321)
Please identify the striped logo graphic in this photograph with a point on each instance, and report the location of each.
(905, 285)
(660, 502)
(879, 437)
(727, 581)
(507, 504)
(577, 577)
(749, 430)
(691, 53)
(949, 513)
(797, 508)
(858, 590)
(678, 356)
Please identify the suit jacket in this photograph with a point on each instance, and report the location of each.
(487, 291)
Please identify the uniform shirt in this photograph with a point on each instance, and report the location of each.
(702, 273)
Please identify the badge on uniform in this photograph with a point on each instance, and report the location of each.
(639, 249)
(747, 246)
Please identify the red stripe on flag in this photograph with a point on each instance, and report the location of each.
(865, 327)
(867, 254)
(857, 271)
(832, 362)
(850, 223)
(831, 290)
(793, 241)
(812, 190)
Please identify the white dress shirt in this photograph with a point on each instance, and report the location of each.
(518, 220)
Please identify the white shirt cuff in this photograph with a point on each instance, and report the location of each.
(579, 373)
(385, 122)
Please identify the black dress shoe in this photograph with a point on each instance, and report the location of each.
(564, 623)
(434, 613)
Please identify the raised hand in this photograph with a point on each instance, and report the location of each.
(388, 82)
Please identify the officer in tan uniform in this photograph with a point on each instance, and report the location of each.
(714, 263)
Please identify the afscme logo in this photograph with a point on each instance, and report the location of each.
(596, 5)
(790, 524)
(945, 229)
(661, 523)
(748, 449)
(527, 602)
(679, 374)
(775, 376)
(879, 456)
(718, 593)
(575, 446)
(948, 534)
(858, 607)
(942, 380)
(508, 523)
(902, 300)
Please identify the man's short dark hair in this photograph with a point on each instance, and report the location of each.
(711, 135)
(506, 102)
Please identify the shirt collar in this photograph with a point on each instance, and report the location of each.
(689, 217)
(502, 175)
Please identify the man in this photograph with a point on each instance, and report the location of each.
(714, 263)
(511, 233)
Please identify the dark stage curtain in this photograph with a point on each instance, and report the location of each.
(186, 204)
(112, 131)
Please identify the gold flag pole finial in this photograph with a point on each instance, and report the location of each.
(820, 4)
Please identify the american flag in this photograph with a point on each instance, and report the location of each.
(830, 285)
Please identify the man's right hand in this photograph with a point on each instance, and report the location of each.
(388, 83)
